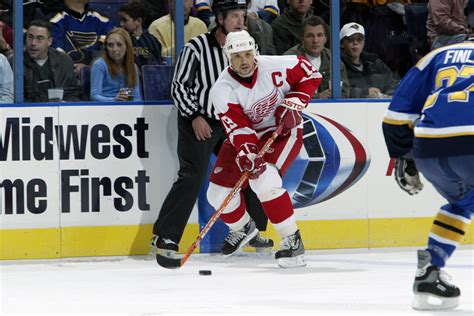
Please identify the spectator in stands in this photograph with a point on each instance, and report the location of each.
(46, 68)
(79, 31)
(6, 81)
(446, 22)
(155, 9)
(266, 10)
(114, 77)
(315, 36)
(204, 12)
(386, 35)
(163, 28)
(357, 11)
(261, 31)
(49, 8)
(146, 47)
(321, 8)
(6, 11)
(288, 27)
(5, 47)
(32, 10)
(6, 32)
(368, 76)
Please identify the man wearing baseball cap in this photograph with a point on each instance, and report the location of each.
(368, 76)
(350, 29)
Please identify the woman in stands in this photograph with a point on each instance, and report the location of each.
(114, 77)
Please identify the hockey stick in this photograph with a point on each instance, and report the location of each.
(174, 263)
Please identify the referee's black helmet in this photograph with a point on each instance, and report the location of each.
(226, 5)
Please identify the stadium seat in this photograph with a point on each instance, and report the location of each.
(86, 83)
(156, 82)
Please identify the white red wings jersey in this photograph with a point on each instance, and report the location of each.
(247, 110)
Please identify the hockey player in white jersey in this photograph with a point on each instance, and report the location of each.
(253, 96)
(429, 126)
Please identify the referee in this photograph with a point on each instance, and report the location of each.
(200, 132)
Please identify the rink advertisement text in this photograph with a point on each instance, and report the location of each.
(112, 164)
(81, 150)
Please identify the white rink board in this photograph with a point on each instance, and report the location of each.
(159, 139)
(374, 196)
(26, 171)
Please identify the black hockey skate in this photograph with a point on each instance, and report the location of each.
(432, 288)
(164, 247)
(261, 244)
(291, 253)
(236, 239)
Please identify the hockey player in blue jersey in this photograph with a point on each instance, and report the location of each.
(429, 126)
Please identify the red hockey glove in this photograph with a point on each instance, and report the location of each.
(288, 118)
(247, 160)
(288, 113)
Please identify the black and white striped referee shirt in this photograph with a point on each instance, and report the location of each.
(199, 65)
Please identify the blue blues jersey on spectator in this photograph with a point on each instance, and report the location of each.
(432, 110)
(147, 49)
(80, 35)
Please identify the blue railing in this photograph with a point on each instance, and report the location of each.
(335, 50)
(17, 48)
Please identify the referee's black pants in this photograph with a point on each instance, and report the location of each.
(194, 157)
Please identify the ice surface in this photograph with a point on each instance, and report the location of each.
(342, 282)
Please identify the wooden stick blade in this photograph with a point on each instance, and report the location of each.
(168, 263)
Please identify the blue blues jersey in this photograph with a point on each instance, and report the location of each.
(432, 110)
(147, 49)
(80, 35)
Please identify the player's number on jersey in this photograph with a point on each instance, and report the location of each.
(229, 125)
(448, 76)
(307, 67)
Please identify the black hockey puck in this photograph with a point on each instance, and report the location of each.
(205, 272)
